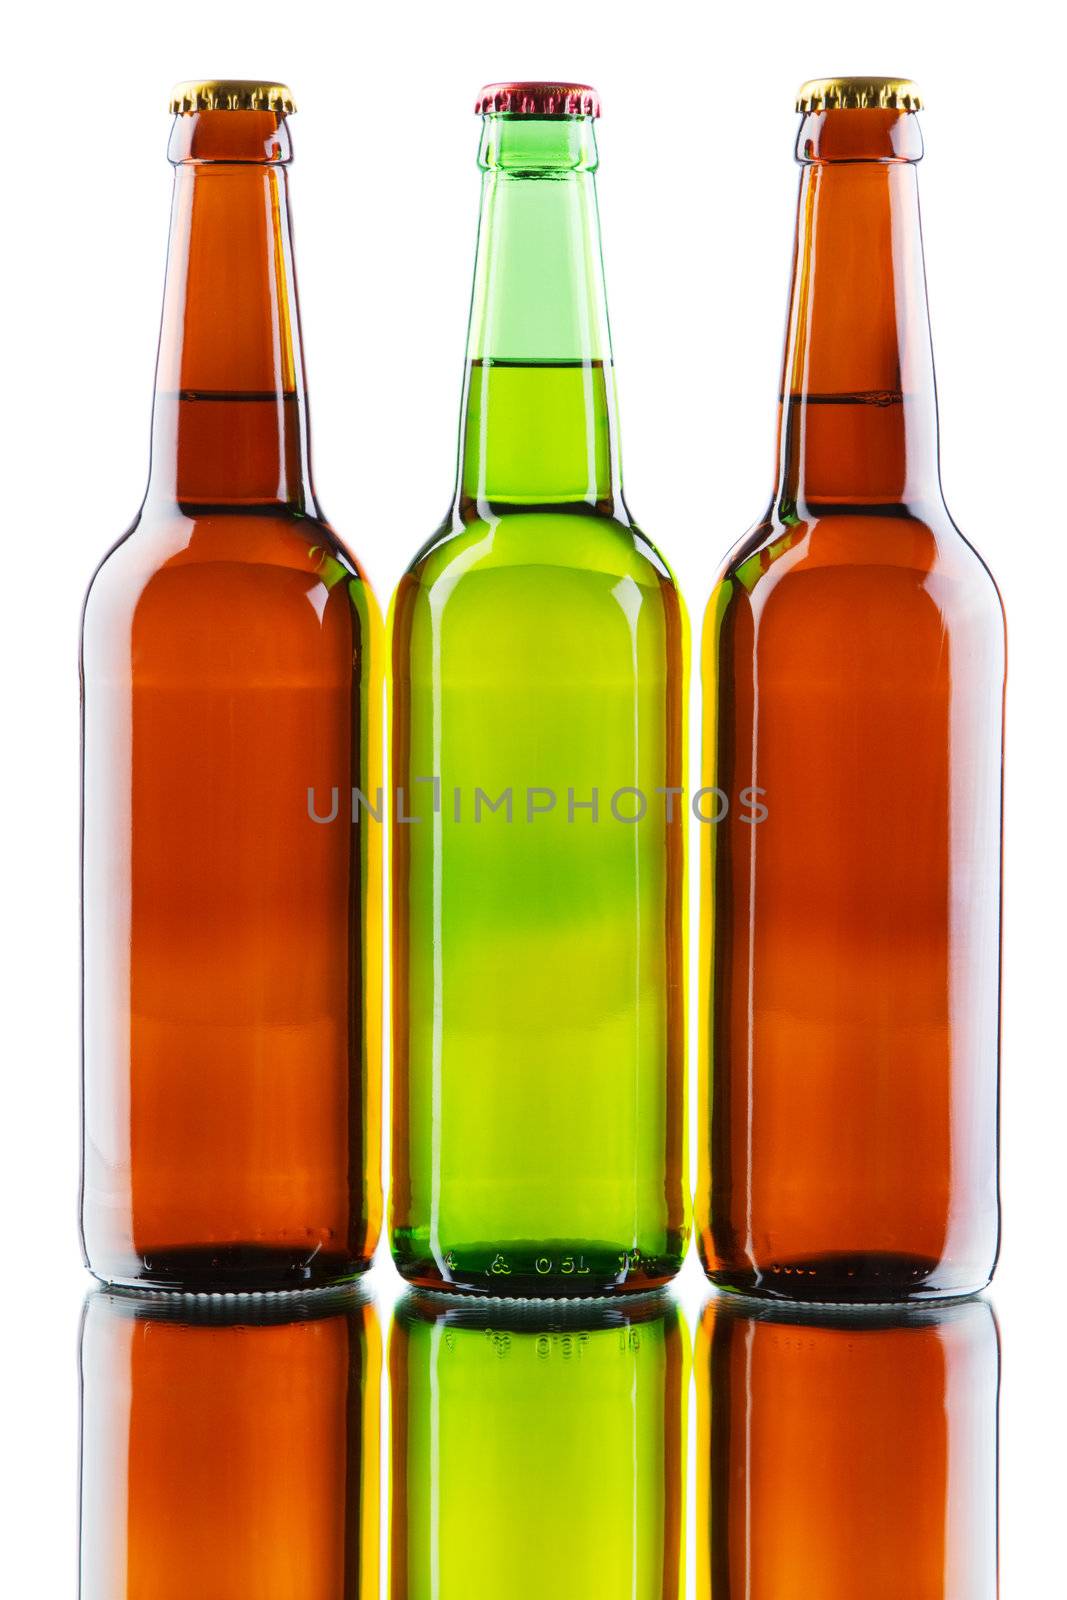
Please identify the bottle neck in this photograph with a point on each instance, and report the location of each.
(539, 421)
(229, 420)
(858, 411)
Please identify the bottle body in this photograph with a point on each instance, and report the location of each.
(551, 1443)
(231, 668)
(853, 670)
(227, 1452)
(538, 666)
(844, 1453)
(230, 940)
(537, 1042)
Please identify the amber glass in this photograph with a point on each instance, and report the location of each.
(846, 1455)
(230, 1447)
(231, 665)
(853, 668)
(538, 1449)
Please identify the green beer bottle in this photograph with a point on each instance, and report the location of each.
(537, 1451)
(539, 669)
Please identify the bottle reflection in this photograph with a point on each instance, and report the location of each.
(537, 1450)
(229, 1447)
(847, 1454)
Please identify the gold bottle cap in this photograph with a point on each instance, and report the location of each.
(231, 94)
(859, 94)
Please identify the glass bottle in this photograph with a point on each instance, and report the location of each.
(846, 1452)
(853, 668)
(537, 1450)
(230, 1447)
(231, 671)
(538, 661)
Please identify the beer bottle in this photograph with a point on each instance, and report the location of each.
(846, 1452)
(538, 688)
(853, 667)
(230, 1447)
(231, 664)
(537, 1450)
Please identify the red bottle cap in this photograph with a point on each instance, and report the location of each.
(538, 100)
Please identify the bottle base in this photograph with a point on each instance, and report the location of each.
(231, 1269)
(849, 1279)
(534, 1270)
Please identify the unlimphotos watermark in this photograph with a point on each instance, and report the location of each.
(532, 803)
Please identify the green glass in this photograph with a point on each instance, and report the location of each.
(537, 1451)
(538, 671)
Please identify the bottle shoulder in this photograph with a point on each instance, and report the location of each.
(568, 538)
(246, 537)
(177, 558)
(872, 548)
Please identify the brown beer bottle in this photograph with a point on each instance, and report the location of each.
(231, 670)
(846, 1453)
(230, 1447)
(853, 668)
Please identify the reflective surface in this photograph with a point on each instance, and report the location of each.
(237, 1446)
(849, 1455)
(229, 1447)
(537, 1450)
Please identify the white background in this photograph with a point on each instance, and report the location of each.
(697, 193)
